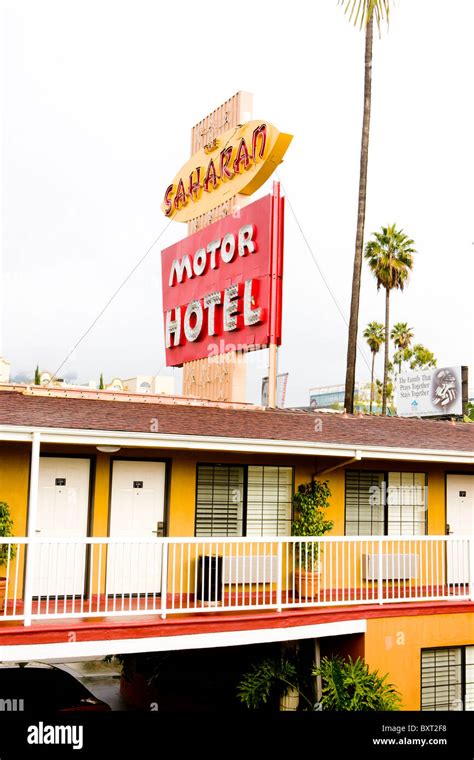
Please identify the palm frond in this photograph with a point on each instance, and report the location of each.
(256, 686)
(374, 335)
(390, 256)
(361, 11)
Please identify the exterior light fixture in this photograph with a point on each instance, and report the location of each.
(108, 449)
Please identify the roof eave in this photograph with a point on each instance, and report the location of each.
(227, 443)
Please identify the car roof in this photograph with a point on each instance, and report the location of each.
(23, 665)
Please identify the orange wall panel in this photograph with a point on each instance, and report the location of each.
(393, 645)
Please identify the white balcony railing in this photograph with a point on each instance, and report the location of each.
(97, 577)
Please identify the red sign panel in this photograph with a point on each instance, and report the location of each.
(222, 285)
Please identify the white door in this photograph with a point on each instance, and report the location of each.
(63, 506)
(136, 511)
(460, 519)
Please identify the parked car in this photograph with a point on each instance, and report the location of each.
(37, 687)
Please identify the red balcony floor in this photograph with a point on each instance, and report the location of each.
(110, 627)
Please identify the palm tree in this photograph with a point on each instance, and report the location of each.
(390, 257)
(402, 336)
(374, 335)
(362, 12)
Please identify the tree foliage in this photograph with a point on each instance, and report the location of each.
(266, 678)
(349, 685)
(402, 335)
(6, 530)
(309, 502)
(422, 358)
(360, 11)
(390, 257)
(374, 336)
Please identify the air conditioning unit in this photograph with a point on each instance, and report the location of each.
(395, 567)
(261, 569)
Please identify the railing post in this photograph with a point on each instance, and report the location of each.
(31, 528)
(471, 567)
(279, 575)
(164, 579)
(380, 573)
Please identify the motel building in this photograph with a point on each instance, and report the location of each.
(147, 523)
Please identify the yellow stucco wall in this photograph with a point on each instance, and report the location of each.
(436, 502)
(393, 645)
(14, 481)
(14, 476)
(183, 483)
(100, 502)
(14, 484)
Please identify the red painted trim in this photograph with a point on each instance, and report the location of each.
(276, 266)
(404, 593)
(110, 628)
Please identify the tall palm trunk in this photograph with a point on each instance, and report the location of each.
(385, 360)
(372, 383)
(364, 156)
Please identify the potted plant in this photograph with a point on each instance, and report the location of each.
(310, 502)
(346, 685)
(271, 678)
(6, 550)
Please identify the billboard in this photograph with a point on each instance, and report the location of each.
(222, 285)
(431, 392)
(282, 382)
(238, 161)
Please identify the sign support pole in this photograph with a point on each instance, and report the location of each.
(224, 380)
(272, 374)
(276, 285)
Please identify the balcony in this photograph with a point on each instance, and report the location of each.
(91, 578)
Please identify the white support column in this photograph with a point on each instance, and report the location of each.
(318, 680)
(279, 575)
(31, 526)
(471, 566)
(164, 580)
(380, 572)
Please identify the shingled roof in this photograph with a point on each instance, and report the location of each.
(23, 409)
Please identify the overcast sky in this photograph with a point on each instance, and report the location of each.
(98, 101)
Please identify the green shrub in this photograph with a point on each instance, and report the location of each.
(6, 530)
(266, 678)
(310, 501)
(351, 686)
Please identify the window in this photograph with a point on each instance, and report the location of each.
(447, 678)
(406, 503)
(364, 514)
(269, 498)
(250, 500)
(385, 503)
(219, 500)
